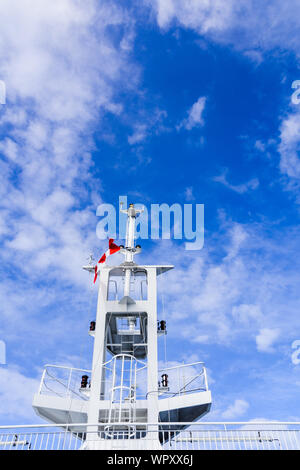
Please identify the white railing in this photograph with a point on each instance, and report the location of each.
(184, 379)
(195, 436)
(65, 382)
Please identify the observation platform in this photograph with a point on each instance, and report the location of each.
(60, 398)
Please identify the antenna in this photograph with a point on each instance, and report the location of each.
(91, 259)
(130, 250)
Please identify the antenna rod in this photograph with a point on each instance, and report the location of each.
(131, 213)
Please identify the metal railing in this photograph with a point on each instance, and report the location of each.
(166, 436)
(65, 382)
(184, 379)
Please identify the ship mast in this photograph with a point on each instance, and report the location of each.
(125, 363)
(130, 249)
(125, 402)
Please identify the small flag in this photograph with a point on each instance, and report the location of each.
(112, 248)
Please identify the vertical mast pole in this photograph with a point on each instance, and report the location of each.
(130, 243)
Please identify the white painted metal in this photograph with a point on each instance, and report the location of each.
(129, 251)
(195, 436)
(131, 213)
(123, 391)
(63, 382)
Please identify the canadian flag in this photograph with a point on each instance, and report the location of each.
(112, 248)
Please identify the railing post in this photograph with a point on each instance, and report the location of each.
(42, 381)
(69, 382)
(205, 379)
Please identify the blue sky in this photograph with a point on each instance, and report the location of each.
(164, 101)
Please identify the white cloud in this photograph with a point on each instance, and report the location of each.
(259, 145)
(289, 146)
(140, 133)
(201, 339)
(274, 426)
(237, 409)
(152, 124)
(198, 14)
(62, 71)
(266, 338)
(63, 62)
(249, 25)
(239, 188)
(242, 282)
(254, 28)
(245, 313)
(189, 193)
(16, 392)
(195, 115)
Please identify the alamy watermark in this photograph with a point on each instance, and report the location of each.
(2, 353)
(296, 354)
(160, 221)
(2, 92)
(296, 95)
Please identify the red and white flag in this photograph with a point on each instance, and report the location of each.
(113, 248)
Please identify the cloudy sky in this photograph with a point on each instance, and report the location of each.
(163, 101)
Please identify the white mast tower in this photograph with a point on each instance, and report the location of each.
(125, 401)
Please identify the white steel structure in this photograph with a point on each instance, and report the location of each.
(125, 402)
(197, 436)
